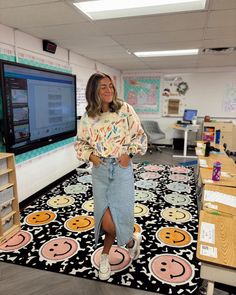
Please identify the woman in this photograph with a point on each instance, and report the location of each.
(109, 135)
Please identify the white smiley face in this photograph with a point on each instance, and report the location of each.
(147, 184)
(179, 187)
(88, 205)
(76, 188)
(177, 199)
(85, 179)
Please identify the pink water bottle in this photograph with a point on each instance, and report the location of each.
(216, 171)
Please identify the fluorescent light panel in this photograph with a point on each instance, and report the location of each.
(167, 53)
(107, 9)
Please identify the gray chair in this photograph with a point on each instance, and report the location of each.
(154, 134)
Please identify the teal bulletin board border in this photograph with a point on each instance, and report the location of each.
(42, 65)
(40, 151)
(45, 149)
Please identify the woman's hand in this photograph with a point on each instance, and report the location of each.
(124, 160)
(95, 160)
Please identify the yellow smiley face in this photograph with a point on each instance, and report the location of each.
(60, 201)
(178, 215)
(174, 237)
(88, 205)
(40, 217)
(80, 223)
(140, 210)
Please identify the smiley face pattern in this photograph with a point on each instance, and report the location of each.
(58, 232)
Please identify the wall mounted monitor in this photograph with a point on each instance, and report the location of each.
(39, 106)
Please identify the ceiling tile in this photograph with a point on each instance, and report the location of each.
(223, 4)
(153, 24)
(18, 3)
(153, 38)
(222, 18)
(220, 33)
(42, 14)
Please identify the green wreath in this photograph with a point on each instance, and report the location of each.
(182, 88)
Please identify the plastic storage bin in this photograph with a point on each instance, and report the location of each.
(7, 223)
(6, 194)
(5, 208)
(4, 179)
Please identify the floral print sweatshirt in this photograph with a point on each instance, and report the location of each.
(111, 134)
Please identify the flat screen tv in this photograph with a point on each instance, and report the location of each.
(39, 106)
(189, 114)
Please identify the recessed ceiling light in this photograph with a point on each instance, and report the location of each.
(167, 53)
(105, 9)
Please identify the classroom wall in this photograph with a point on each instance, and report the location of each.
(207, 92)
(39, 168)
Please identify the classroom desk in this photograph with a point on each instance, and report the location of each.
(229, 180)
(216, 248)
(228, 170)
(186, 129)
(214, 204)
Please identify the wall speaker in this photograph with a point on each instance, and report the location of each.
(49, 46)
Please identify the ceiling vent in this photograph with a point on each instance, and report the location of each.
(218, 50)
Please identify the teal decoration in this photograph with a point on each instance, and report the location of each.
(40, 65)
(45, 149)
(7, 57)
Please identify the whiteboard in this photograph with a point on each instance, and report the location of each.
(212, 93)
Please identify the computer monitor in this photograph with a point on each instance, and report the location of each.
(189, 114)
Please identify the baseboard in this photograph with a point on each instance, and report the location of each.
(44, 190)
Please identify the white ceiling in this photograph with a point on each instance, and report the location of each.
(107, 41)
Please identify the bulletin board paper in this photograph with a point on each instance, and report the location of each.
(143, 93)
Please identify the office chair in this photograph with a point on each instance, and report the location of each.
(154, 134)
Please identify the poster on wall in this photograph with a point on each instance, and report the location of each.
(229, 102)
(143, 93)
(174, 93)
(81, 102)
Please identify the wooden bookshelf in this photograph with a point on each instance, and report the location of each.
(9, 205)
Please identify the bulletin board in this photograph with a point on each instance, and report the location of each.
(211, 93)
(143, 93)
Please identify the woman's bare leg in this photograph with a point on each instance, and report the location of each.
(110, 231)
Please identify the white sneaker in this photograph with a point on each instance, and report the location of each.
(104, 268)
(134, 252)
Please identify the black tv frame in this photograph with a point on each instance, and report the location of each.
(31, 145)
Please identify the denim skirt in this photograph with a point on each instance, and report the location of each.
(113, 188)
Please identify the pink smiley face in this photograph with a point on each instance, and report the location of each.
(18, 241)
(59, 249)
(171, 269)
(118, 257)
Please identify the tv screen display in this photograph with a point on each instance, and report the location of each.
(39, 106)
(189, 115)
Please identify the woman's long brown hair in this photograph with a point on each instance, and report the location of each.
(94, 107)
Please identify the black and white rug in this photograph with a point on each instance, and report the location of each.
(58, 232)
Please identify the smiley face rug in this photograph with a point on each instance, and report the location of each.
(57, 232)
